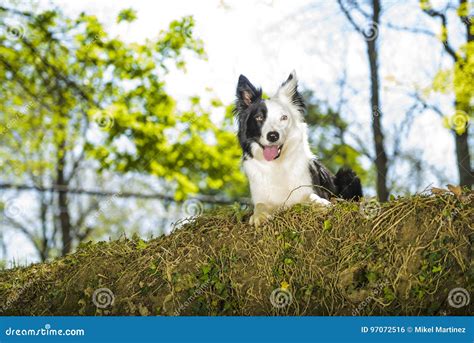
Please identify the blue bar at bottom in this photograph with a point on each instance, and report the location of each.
(237, 329)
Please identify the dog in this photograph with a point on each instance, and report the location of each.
(277, 159)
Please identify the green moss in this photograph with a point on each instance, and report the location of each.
(401, 259)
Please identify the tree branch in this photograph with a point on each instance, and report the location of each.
(444, 26)
(416, 30)
(26, 232)
(425, 105)
(119, 194)
(349, 17)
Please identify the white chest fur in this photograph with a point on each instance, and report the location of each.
(282, 182)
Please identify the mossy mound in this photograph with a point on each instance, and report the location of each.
(398, 258)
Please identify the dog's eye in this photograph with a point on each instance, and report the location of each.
(259, 118)
(284, 117)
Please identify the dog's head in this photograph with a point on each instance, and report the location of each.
(265, 125)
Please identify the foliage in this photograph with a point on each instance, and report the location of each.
(79, 105)
(127, 15)
(68, 80)
(327, 135)
(458, 80)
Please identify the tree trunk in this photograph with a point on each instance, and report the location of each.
(44, 251)
(378, 136)
(64, 216)
(463, 156)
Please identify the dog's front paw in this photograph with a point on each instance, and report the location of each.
(316, 199)
(260, 215)
(258, 219)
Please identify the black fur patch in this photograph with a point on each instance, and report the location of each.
(345, 184)
(245, 90)
(298, 101)
(348, 184)
(296, 97)
(246, 111)
(322, 180)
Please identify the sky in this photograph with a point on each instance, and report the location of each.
(265, 40)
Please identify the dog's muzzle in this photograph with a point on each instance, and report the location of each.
(271, 152)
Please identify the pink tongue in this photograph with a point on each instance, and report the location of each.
(270, 152)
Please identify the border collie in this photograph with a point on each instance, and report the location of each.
(277, 159)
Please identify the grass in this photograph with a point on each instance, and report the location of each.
(398, 258)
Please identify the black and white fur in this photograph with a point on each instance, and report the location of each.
(277, 159)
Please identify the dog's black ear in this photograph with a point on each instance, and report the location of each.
(289, 90)
(246, 93)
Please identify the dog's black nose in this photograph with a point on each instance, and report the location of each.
(273, 136)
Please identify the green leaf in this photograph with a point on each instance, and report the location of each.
(327, 225)
(128, 15)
